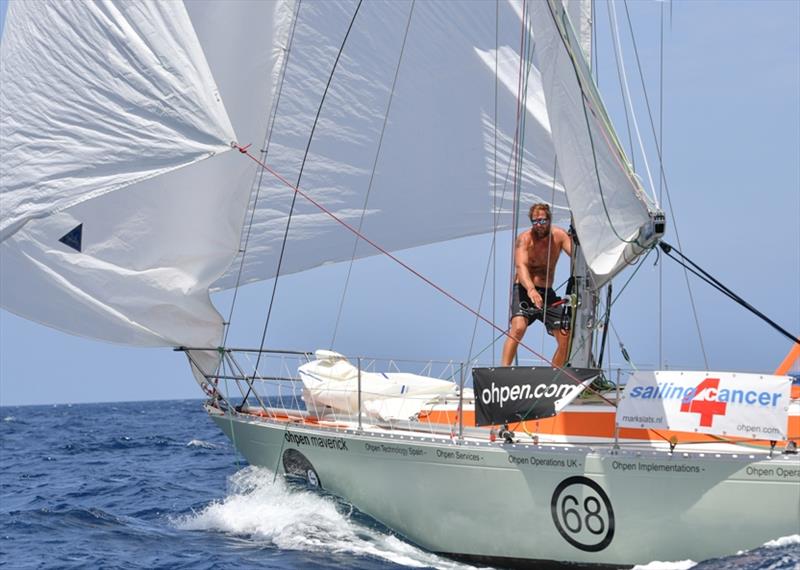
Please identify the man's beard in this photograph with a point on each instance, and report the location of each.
(540, 232)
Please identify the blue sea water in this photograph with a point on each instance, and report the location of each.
(156, 485)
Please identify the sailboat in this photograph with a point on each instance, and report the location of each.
(174, 163)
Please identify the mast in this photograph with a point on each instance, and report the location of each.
(584, 297)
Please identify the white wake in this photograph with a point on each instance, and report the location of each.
(783, 541)
(201, 443)
(659, 565)
(276, 514)
(686, 564)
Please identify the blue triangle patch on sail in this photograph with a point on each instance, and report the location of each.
(73, 238)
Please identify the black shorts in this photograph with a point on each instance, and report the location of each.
(557, 317)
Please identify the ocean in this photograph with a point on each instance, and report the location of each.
(157, 485)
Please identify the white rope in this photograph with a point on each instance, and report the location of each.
(629, 101)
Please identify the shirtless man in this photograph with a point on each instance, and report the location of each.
(535, 257)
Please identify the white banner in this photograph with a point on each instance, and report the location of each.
(720, 403)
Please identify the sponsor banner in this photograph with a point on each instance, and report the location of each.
(720, 403)
(512, 394)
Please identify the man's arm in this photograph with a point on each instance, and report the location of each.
(523, 273)
(566, 243)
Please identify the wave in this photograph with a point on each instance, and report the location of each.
(659, 565)
(275, 513)
(783, 541)
(202, 444)
(742, 559)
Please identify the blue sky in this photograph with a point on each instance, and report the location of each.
(731, 139)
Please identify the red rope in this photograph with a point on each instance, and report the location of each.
(243, 150)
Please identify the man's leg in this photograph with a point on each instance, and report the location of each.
(562, 338)
(519, 325)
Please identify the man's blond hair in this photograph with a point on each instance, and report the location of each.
(541, 206)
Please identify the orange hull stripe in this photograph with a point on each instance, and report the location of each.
(596, 424)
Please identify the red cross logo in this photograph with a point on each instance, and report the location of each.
(707, 408)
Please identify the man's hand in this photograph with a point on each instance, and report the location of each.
(535, 297)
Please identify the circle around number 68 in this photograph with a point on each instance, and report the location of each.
(582, 512)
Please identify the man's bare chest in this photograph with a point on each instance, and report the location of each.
(542, 253)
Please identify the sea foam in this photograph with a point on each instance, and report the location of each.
(275, 513)
(783, 541)
(658, 565)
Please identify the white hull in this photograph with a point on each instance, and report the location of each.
(504, 503)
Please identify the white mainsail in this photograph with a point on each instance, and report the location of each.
(611, 212)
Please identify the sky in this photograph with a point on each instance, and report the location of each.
(731, 148)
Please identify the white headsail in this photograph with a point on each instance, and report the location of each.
(611, 212)
(105, 95)
(97, 96)
(580, 14)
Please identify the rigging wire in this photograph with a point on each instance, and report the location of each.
(515, 145)
(605, 327)
(620, 75)
(480, 303)
(624, 80)
(549, 251)
(498, 209)
(711, 280)
(656, 138)
(521, 156)
(394, 258)
(493, 252)
(372, 173)
(260, 175)
(661, 188)
(494, 171)
(497, 214)
(474, 358)
(632, 275)
(623, 351)
(297, 184)
(519, 128)
(595, 69)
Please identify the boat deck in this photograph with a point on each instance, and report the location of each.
(427, 431)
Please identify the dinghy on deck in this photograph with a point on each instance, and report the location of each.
(331, 381)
